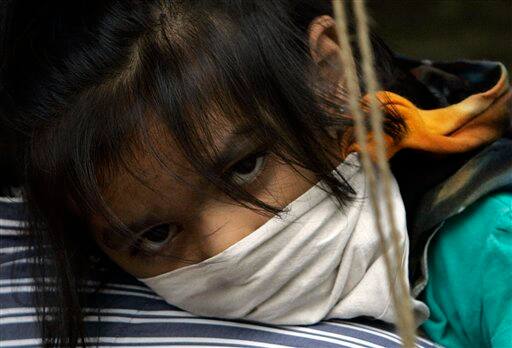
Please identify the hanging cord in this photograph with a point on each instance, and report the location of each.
(400, 296)
(402, 303)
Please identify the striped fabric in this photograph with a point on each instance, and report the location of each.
(131, 315)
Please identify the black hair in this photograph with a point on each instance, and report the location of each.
(81, 80)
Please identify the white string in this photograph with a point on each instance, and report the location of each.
(400, 296)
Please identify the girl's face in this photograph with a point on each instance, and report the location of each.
(188, 222)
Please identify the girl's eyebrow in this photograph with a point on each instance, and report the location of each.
(236, 141)
(143, 222)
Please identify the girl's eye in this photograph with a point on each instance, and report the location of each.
(248, 169)
(158, 236)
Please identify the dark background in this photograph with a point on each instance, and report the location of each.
(446, 29)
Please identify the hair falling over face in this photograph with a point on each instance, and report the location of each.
(87, 86)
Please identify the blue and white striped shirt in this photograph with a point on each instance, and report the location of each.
(132, 315)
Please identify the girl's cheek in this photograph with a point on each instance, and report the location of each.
(284, 183)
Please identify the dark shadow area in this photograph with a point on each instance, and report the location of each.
(446, 29)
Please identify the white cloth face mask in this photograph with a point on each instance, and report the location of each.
(313, 262)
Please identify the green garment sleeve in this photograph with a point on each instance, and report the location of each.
(469, 291)
(497, 281)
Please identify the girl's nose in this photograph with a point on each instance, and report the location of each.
(219, 226)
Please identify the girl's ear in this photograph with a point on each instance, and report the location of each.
(323, 42)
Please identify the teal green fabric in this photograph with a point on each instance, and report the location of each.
(469, 292)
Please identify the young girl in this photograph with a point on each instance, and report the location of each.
(183, 141)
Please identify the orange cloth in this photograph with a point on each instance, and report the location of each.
(475, 121)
